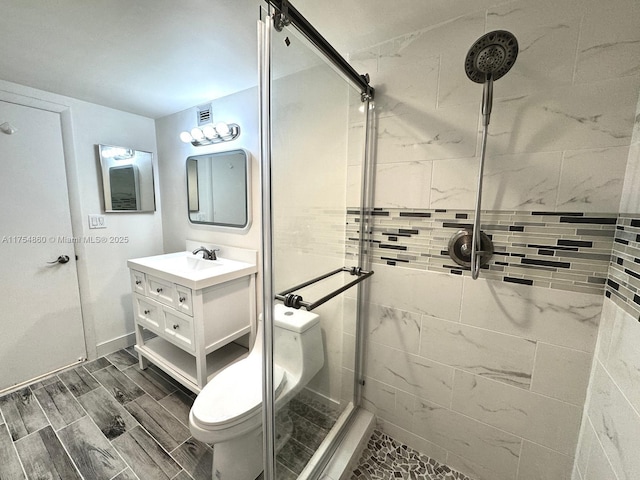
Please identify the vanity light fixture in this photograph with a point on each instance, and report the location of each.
(117, 153)
(209, 134)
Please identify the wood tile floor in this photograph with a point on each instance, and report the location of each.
(107, 419)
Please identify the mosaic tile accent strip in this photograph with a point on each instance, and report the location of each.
(566, 251)
(387, 459)
(623, 284)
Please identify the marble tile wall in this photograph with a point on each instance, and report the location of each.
(609, 439)
(483, 376)
(559, 137)
(490, 377)
(610, 431)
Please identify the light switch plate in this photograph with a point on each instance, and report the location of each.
(97, 221)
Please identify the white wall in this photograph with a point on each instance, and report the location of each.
(240, 108)
(102, 271)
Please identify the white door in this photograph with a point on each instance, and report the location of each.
(40, 313)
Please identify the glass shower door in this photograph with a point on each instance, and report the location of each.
(316, 131)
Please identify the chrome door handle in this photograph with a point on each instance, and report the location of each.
(61, 259)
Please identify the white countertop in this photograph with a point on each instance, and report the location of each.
(192, 270)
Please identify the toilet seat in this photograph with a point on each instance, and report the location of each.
(234, 394)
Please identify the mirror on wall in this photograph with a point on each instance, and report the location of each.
(127, 179)
(218, 189)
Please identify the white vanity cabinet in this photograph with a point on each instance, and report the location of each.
(187, 327)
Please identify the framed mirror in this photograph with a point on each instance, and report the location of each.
(127, 179)
(218, 189)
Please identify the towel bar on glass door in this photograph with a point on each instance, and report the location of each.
(290, 299)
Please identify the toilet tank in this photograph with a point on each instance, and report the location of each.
(298, 345)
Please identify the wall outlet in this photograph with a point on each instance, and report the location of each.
(97, 221)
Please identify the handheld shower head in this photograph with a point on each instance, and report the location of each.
(489, 59)
(491, 56)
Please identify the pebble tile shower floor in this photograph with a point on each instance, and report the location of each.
(387, 459)
(108, 419)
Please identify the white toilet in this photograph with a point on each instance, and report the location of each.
(228, 410)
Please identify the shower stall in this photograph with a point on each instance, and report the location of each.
(315, 167)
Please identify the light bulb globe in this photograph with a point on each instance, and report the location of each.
(197, 134)
(223, 129)
(186, 137)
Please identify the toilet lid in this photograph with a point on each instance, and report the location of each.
(235, 392)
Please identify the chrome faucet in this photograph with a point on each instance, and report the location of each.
(206, 253)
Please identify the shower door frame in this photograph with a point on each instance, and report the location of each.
(289, 15)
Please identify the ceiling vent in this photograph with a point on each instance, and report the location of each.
(205, 114)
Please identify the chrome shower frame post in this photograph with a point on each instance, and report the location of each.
(268, 292)
(364, 258)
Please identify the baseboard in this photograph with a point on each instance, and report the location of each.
(115, 344)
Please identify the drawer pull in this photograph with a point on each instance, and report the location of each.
(147, 312)
(138, 282)
(176, 326)
(159, 290)
(182, 299)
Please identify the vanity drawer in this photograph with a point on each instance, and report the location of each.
(161, 290)
(184, 303)
(178, 329)
(148, 313)
(138, 282)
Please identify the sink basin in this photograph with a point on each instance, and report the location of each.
(191, 270)
(187, 262)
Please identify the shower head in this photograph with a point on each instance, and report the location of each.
(489, 59)
(491, 56)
